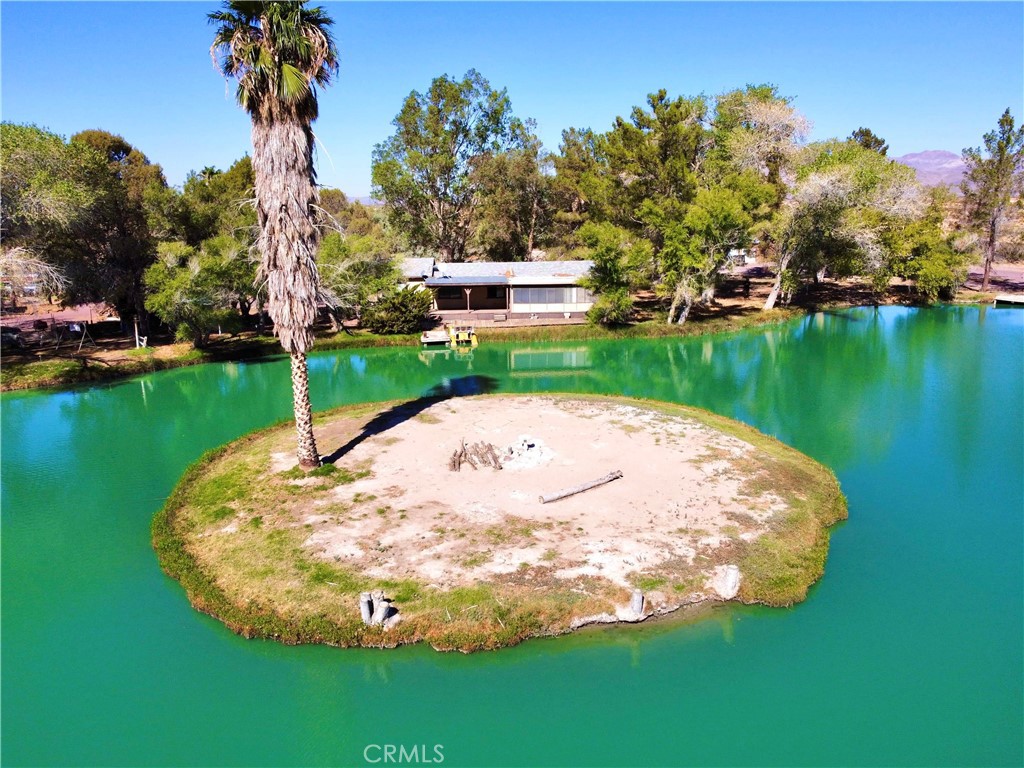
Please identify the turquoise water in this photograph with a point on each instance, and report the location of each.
(910, 651)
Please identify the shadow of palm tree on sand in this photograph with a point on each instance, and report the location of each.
(462, 386)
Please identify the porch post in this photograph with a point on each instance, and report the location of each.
(468, 291)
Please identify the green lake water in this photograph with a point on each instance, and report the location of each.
(909, 651)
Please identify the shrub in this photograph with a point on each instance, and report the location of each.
(939, 278)
(401, 311)
(612, 308)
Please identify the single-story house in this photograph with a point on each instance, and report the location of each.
(505, 289)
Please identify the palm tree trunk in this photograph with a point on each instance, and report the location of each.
(309, 457)
(285, 203)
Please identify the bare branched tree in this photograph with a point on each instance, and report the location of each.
(20, 268)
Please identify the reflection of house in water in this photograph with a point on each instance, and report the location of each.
(548, 362)
(503, 290)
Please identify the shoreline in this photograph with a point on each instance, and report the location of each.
(56, 372)
(65, 372)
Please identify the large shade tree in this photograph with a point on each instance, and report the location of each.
(424, 171)
(279, 52)
(846, 215)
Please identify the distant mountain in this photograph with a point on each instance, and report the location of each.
(935, 167)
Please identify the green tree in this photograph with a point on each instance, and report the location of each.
(219, 203)
(652, 161)
(401, 310)
(279, 52)
(235, 269)
(66, 204)
(616, 253)
(866, 138)
(845, 215)
(354, 218)
(353, 270)
(130, 246)
(992, 177)
(50, 189)
(512, 207)
(697, 247)
(127, 164)
(759, 130)
(334, 202)
(189, 290)
(926, 254)
(213, 215)
(581, 185)
(423, 172)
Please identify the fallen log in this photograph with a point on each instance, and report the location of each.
(636, 602)
(581, 488)
(466, 456)
(485, 454)
(495, 462)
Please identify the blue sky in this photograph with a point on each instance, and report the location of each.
(922, 75)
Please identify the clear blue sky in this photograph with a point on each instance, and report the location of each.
(921, 75)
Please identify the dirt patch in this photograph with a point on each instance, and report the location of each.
(681, 488)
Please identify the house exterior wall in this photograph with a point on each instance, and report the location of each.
(551, 300)
(489, 297)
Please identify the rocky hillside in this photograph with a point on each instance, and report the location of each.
(935, 167)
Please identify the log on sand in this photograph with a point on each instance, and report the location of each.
(581, 488)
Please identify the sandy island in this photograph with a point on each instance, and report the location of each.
(706, 510)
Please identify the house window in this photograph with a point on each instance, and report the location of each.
(545, 295)
(449, 293)
(495, 292)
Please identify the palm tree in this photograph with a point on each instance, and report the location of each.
(208, 173)
(279, 52)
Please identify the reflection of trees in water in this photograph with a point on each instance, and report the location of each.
(961, 353)
(835, 385)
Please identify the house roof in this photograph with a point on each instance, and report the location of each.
(416, 268)
(440, 281)
(497, 272)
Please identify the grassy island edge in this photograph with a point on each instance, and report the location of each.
(778, 570)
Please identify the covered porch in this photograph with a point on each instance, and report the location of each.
(470, 294)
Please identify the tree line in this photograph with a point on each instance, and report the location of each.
(661, 198)
(658, 201)
(92, 219)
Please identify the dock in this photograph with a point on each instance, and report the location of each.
(451, 336)
(1009, 300)
(435, 338)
